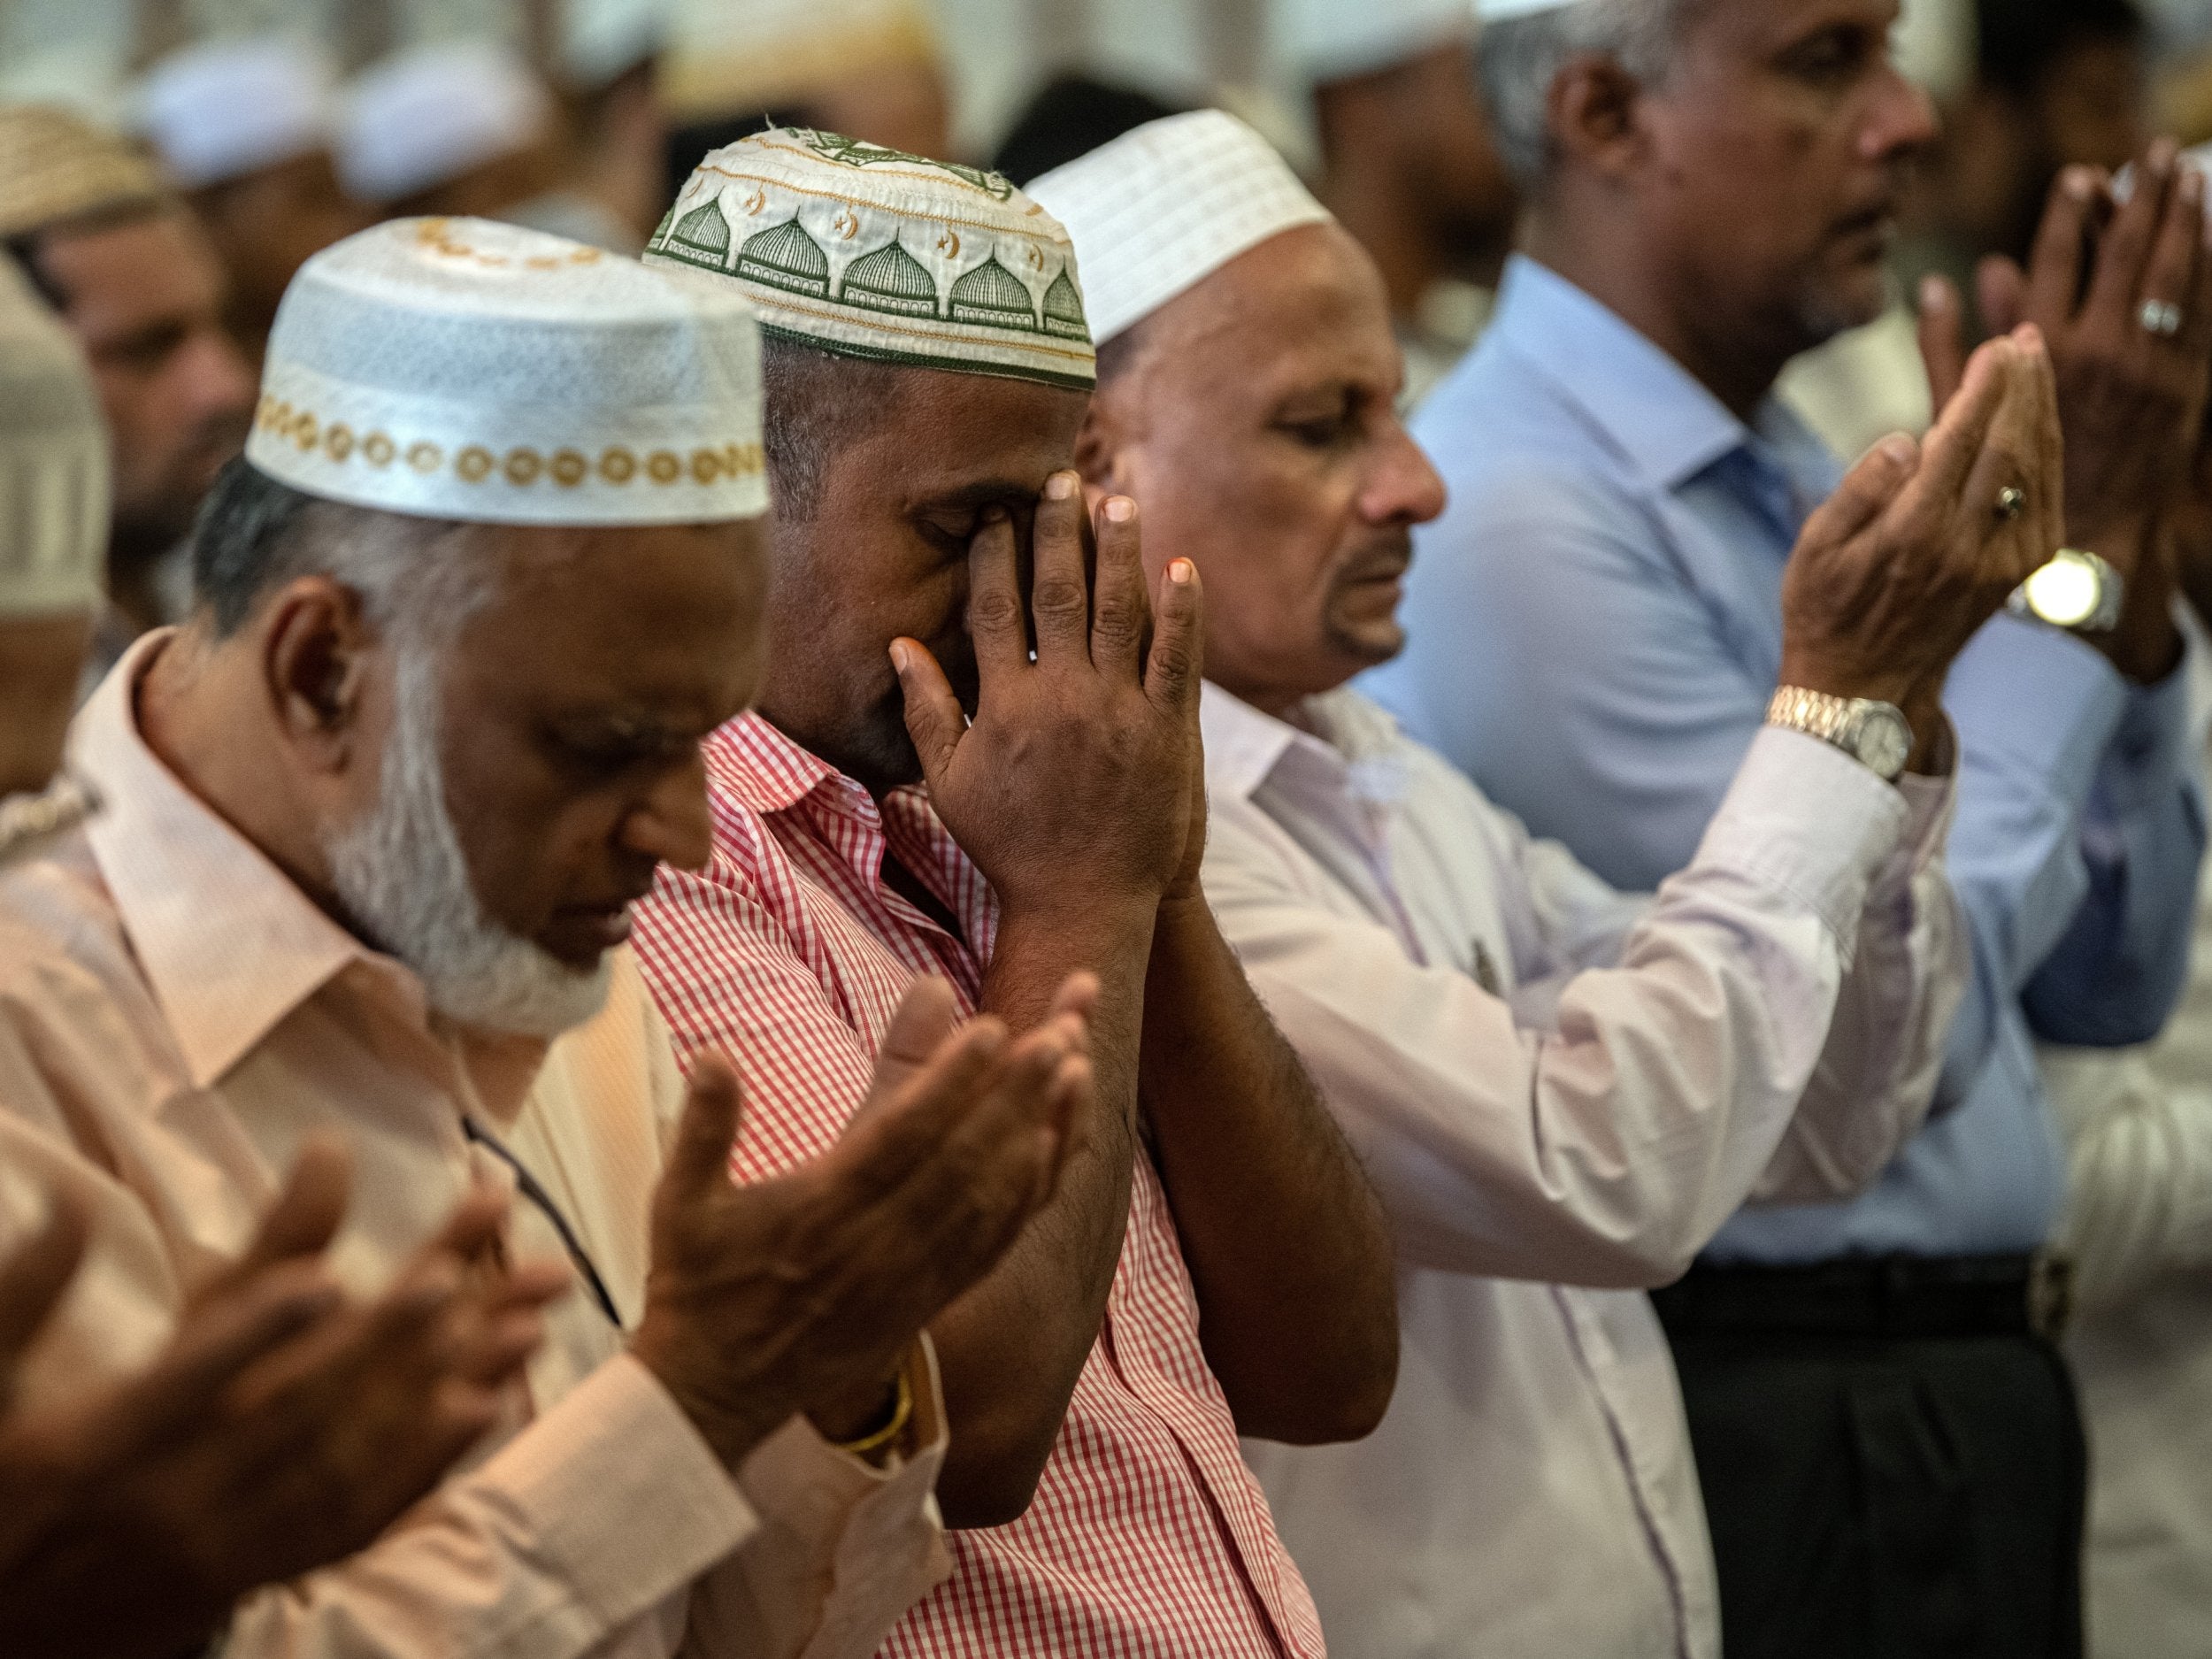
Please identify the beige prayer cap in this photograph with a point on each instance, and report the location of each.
(56, 167)
(727, 58)
(867, 253)
(53, 461)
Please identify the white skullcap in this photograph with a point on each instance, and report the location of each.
(227, 108)
(466, 370)
(602, 39)
(53, 461)
(1499, 10)
(747, 57)
(428, 115)
(1162, 208)
(1332, 40)
(867, 253)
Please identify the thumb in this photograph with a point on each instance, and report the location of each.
(934, 718)
(2001, 287)
(699, 1160)
(926, 1018)
(1943, 331)
(1864, 495)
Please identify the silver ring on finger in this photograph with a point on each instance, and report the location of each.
(2161, 318)
(2012, 501)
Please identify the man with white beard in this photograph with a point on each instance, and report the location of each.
(371, 821)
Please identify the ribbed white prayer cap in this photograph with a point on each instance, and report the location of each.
(602, 39)
(222, 110)
(1332, 40)
(466, 370)
(428, 115)
(53, 461)
(1162, 208)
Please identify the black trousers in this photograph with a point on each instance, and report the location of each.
(1886, 1498)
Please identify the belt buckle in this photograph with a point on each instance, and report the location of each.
(2050, 1295)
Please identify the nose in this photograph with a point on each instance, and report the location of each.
(1404, 487)
(1902, 121)
(673, 825)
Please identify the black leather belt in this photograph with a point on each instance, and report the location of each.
(1892, 1296)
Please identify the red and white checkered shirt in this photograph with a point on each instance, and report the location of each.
(1149, 1537)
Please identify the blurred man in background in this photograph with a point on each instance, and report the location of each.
(1408, 165)
(137, 282)
(244, 129)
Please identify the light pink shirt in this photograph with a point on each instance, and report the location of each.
(176, 1017)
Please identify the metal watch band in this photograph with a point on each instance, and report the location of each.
(1814, 713)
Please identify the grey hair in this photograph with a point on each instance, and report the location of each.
(1520, 57)
(256, 533)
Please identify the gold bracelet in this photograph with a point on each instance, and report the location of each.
(901, 1414)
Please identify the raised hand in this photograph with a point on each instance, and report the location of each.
(1905, 563)
(803, 1293)
(284, 1429)
(1076, 773)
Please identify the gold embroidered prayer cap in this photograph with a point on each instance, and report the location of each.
(53, 461)
(464, 370)
(868, 252)
(56, 167)
(1162, 207)
(752, 56)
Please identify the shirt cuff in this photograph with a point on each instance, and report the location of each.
(1930, 806)
(2151, 753)
(1806, 817)
(2040, 697)
(630, 1504)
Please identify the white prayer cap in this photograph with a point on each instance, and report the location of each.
(222, 110)
(868, 252)
(1499, 10)
(53, 461)
(428, 115)
(745, 57)
(602, 39)
(1162, 208)
(1333, 40)
(466, 370)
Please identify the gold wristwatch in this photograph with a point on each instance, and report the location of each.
(1875, 734)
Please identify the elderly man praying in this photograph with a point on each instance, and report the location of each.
(371, 825)
(1561, 1090)
(978, 755)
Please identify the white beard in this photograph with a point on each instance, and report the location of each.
(401, 874)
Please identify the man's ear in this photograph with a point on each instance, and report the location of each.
(1592, 114)
(315, 644)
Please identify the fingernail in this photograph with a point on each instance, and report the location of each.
(2079, 183)
(1060, 486)
(900, 655)
(2192, 187)
(1898, 450)
(1180, 572)
(1121, 510)
(996, 514)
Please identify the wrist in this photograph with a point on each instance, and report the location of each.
(1853, 682)
(730, 1427)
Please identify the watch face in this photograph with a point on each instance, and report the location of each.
(1885, 741)
(2067, 591)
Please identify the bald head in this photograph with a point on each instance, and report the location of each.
(1252, 418)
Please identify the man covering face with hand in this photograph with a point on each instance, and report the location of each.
(372, 823)
(977, 755)
(1561, 1090)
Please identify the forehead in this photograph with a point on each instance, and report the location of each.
(948, 434)
(1761, 27)
(1306, 304)
(154, 262)
(661, 612)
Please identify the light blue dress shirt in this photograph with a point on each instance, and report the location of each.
(1596, 631)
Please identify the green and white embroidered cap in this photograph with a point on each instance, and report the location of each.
(466, 370)
(1161, 209)
(53, 461)
(868, 252)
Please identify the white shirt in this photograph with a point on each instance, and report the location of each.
(175, 1018)
(1554, 1085)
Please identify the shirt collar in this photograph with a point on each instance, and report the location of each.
(173, 866)
(764, 770)
(1350, 739)
(1654, 411)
